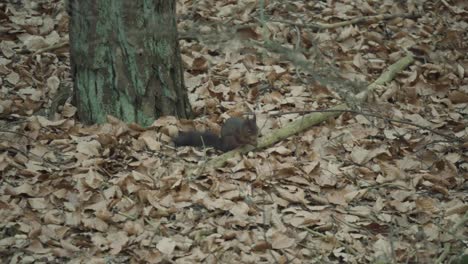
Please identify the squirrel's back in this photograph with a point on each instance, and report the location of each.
(235, 132)
(197, 139)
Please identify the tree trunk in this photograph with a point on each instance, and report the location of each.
(126, 61)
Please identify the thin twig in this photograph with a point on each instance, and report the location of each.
(52, 47)
(17, 133)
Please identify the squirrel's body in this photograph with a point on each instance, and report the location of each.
(235, 132)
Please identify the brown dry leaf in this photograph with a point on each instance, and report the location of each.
(338, 196)
(303, 218)
(251, 78)
(261, 246)
(149, 137)
(358, 194)
(36, 246)
(419, 120)
(459, 208)
(240, 210)
(13, 78)
(280, 240)
(362, 156)
(166, 246)
(426, 205)
(89, 148)
(95, 224)
(68, 245)
(431, 231)
(326, 179)
(37, 203)
(402, 207)
(390, 173)
(23, 189)
(293, 195)
(458, 97)
(280, 150)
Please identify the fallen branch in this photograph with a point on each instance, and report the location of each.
(386, 76)
(386, 119)
(321, 26)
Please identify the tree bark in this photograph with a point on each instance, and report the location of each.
(126, 60)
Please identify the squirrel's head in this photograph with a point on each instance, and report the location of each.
(251, 129)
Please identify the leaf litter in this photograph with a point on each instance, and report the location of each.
(356, 189)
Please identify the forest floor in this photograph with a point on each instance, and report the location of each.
(386, 183)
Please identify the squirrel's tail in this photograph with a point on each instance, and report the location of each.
(198, 139)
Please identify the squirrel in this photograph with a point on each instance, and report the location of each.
(235, 132)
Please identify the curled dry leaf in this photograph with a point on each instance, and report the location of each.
(281, 241)
(166, 246)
